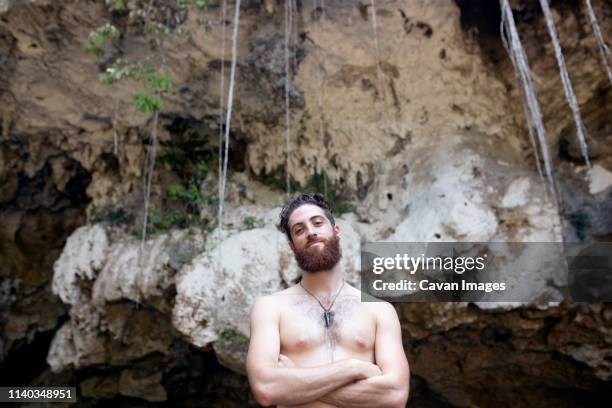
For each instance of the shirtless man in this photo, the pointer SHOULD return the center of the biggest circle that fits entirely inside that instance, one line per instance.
(315, 344)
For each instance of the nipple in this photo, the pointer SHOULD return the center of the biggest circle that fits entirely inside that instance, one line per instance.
(360, 342)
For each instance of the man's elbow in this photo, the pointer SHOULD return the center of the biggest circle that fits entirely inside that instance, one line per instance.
(264, 395)
(261, 396)
(261, 383)
(398, 398)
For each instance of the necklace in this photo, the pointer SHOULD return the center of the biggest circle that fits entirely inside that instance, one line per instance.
(328, 315)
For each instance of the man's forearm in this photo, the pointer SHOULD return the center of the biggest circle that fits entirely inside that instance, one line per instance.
(379, 391)
(301, 385)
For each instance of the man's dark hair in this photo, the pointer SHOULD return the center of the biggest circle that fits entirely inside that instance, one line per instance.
(304, 198)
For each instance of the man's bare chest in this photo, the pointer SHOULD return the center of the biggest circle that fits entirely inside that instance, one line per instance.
(303, 326)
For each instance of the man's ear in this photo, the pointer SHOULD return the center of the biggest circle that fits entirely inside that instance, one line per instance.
(337, 230)
(291, 246)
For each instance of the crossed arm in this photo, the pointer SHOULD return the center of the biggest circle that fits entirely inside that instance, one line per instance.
(275, 380)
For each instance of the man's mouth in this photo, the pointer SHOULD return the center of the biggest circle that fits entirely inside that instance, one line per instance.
(313, 243)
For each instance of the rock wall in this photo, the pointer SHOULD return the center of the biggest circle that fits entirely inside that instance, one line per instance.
(424, 136)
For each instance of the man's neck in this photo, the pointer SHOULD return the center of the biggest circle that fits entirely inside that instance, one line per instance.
(323, 284)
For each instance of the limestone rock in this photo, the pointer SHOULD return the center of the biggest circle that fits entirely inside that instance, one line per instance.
(144, 274)
(102, 330)
(135, 332)
(84, 255)
(218, 289)
(77, 347)
(600, 179)
(467, 189)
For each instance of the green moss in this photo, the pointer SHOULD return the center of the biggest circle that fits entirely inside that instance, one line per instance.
(321, 183)
(343, 207)
(252, 222)
(234, 336)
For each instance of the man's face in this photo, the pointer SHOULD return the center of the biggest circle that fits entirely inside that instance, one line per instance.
(316, 244)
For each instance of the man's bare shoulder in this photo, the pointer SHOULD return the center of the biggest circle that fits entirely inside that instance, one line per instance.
(377, 307)
(383, 311)
(276, 299)
(283, 295)
(350, 290)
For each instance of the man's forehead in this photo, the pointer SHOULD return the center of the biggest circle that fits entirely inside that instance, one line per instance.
(304, 213)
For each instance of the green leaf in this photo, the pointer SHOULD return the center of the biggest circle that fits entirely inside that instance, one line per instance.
(106, 78)
(201, 169)
(116, 5)
(147, 103)
(158, 81)
(202, 4)
(176, 191)
(98, 38)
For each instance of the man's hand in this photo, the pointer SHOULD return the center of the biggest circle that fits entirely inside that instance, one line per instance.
(284, 361)
(367, 369)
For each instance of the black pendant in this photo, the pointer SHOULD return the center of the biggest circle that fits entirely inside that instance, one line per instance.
(328, 317)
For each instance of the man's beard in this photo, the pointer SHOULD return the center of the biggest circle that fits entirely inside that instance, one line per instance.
(321, 260)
